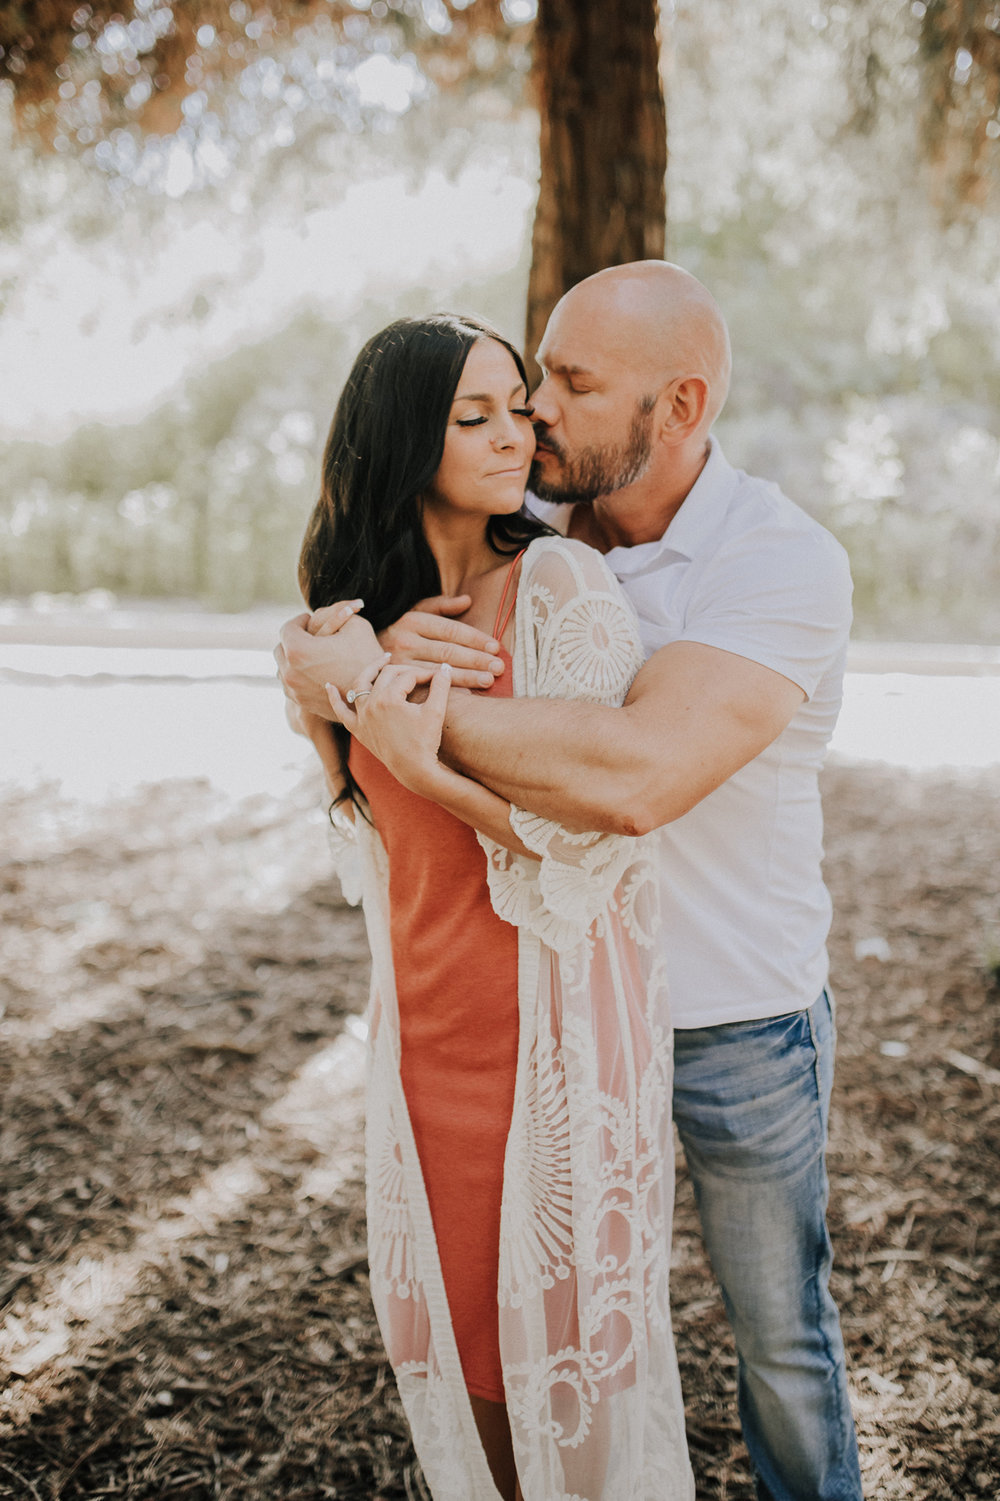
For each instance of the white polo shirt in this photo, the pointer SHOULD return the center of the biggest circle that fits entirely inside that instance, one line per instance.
(746, 913)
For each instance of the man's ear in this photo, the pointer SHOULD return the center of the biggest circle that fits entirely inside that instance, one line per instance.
(684, 403)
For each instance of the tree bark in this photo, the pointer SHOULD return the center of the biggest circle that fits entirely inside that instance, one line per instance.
(962, 99)
(601, 199)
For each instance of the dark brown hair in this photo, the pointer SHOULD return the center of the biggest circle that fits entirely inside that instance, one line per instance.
(365, 537)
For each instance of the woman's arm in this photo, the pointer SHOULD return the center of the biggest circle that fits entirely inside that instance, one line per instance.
(405, 737)
(320, 732)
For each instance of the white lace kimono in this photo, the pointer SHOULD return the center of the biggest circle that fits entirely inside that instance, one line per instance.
(585, 1339)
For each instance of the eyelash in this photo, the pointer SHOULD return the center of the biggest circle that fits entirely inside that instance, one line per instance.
(477, 421)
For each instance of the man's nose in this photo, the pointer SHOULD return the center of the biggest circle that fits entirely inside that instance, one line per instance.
(546, 411)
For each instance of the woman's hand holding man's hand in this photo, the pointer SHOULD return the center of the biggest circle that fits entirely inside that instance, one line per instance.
(404, 733)
(335, 645)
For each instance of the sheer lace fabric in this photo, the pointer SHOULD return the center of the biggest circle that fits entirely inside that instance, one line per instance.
(585, 1337)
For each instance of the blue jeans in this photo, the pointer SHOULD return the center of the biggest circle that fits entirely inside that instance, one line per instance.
(751, 1102)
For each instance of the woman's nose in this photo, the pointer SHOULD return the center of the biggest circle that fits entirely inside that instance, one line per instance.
(507, 435)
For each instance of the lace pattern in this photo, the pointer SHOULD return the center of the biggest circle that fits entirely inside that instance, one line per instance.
(577, 637)
(585, 1338)
(343, 842)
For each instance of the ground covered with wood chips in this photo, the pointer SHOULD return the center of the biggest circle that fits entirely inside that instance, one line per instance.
(184, 1310)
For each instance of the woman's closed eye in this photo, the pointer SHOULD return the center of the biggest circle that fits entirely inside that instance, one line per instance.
(477, 421)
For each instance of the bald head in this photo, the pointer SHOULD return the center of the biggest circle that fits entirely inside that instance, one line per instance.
(657, 318)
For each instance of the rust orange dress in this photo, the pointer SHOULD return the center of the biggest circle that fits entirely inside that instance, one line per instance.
(456, 982)
(568, 1285)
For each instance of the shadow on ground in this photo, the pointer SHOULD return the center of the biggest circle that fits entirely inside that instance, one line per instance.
(184, 1293)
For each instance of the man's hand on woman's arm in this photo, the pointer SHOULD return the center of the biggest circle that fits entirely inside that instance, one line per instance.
(336, 645)
(429, 636)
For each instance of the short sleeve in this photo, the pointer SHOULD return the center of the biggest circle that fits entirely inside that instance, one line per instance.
(786, 604)
(578, 635)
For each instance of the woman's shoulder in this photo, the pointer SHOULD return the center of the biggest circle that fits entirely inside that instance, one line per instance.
(567, 565)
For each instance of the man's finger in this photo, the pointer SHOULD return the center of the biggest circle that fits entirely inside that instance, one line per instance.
(419, 622)
(462, 677)
(445, 604)
(424, 638)
(293, 627)
(476, 680)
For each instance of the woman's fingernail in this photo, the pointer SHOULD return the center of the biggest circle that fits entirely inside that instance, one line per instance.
(446, 668)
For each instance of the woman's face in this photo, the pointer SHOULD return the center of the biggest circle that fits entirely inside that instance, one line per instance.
(489, 442)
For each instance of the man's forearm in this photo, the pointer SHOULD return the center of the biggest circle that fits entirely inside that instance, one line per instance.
(693, 717)
(570, 762)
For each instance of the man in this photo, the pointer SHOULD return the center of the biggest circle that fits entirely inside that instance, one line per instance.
(744, 604)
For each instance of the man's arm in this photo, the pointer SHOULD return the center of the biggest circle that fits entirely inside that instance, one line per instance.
(694, 716)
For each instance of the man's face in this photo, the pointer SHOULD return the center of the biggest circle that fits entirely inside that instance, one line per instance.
(593, 417)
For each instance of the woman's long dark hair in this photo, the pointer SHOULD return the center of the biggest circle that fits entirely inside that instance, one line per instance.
(365, 537)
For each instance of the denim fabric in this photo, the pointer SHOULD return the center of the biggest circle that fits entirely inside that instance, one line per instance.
(751, 1102)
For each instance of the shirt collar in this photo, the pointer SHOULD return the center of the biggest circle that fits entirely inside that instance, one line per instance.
(699, 515)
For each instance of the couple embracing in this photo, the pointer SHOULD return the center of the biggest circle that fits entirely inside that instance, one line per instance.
(574, 745)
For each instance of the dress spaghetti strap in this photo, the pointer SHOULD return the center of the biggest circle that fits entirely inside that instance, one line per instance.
(503, 616)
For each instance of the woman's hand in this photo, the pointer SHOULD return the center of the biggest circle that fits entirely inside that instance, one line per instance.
(329, 619)
(404, 735)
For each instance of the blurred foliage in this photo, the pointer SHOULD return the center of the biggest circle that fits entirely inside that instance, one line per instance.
(866, 332)
(105, 72)
(207, 497)
(960, 47)
(85, 71)
(866, 329)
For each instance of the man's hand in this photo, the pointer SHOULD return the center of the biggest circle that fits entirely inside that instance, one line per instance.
(307, 662)
(428, 636)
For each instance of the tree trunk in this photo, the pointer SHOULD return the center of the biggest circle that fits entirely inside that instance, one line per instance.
(602, 199)
(960, 47)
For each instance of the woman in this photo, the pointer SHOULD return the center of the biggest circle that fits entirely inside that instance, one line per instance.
(519, 1157)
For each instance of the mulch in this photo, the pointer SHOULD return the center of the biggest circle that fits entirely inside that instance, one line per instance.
(184, 1309)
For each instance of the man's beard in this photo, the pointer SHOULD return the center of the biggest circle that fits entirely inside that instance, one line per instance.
(595, 472)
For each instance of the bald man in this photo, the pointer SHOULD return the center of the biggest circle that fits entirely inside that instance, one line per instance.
(744, 605)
